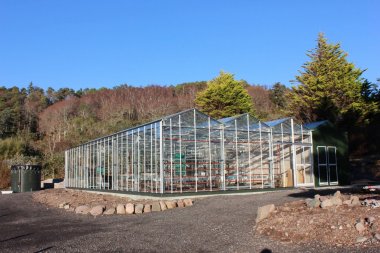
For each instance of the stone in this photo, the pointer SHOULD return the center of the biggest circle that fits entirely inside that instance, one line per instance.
(180, 203)
(359, 227)
(313, 203)
(322, 198)
(163, 205)
(347, 202)
(171, 204)
(326, 203)
(139, 208)
(120, 209)
(84, 209)
(336, 201)
(355, 201)
(370, 219)
(377, 236)
(110, 211)
(156, 207)
(97, 210)
(317, 197)
(337, 194)
(67, 206)
(263, 212)
(188, 202)
(129, 208)
(147, 208)
(361, 239)
(62, 205)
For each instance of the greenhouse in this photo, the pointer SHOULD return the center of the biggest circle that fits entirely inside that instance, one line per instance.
(192, 152)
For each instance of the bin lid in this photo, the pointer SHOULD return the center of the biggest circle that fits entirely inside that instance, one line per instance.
(26, 167)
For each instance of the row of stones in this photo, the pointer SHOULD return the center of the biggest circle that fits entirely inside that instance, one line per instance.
(336, 200)
(129, 208)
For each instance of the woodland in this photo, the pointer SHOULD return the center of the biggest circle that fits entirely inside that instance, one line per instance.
(37, 125)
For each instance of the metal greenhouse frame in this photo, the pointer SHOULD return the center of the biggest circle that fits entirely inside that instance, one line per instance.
(190, 152)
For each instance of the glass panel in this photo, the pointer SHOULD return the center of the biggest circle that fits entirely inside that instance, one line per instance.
(308, 174)
(332, 155)
(323, 176)
(321, 155)
(333, 174)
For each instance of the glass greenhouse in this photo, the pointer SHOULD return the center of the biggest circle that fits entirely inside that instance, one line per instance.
(191, 152)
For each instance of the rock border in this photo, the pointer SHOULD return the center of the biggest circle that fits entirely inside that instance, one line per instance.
(128, 208)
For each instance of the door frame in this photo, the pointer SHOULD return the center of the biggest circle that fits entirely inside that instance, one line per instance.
(303, 164)
(328, 166)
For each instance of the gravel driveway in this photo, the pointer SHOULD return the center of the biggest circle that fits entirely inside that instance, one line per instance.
(214, 224)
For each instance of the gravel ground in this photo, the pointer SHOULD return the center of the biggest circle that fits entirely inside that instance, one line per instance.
(215, 224)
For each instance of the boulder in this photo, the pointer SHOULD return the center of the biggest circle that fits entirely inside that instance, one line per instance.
(377, 236)
(361, 239)
(84, 209)
(120, 209)
(317, 197)
(263, 212)
(370, 219)
(156, 207)
(129, 208)
(337, 194)
(188, 202)
(347, 202)
(139, 208)
(313, 203)
(163, 205)
(110, 211)
(147, 208)
(337, 201)
(355, 201)
(180, 203)
(97, 210)
(171, 204)
(62, 205)
(359, 227)
(326, 203)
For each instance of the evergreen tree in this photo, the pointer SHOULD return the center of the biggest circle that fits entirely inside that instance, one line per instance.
(329, 86)
(278, 95)
(224, 97)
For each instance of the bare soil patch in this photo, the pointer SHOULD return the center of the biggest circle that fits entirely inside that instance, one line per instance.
(296, 223)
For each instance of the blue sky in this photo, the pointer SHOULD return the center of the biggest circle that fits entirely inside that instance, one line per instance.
(92, 44)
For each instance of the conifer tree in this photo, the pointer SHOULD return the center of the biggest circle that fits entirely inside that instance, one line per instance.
(329, 86)
(224, 97)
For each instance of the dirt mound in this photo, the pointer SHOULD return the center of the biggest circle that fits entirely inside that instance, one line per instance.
(296, 222)
(57, 197)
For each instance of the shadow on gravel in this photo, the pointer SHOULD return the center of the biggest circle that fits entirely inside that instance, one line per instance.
(44, 249)
(16, 237)
(309, 193)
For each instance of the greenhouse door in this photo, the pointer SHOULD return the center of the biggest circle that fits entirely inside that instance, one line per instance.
(327, 165)
(304, 166)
